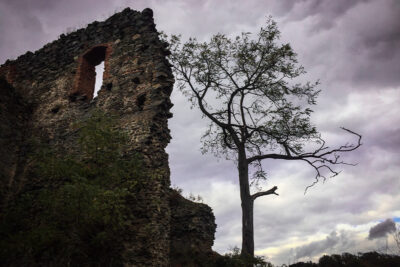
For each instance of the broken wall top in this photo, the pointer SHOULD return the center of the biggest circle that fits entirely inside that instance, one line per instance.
(62, 52)
(58, 80)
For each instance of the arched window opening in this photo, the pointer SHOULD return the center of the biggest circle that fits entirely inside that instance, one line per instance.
(99, 78)
(89, 77)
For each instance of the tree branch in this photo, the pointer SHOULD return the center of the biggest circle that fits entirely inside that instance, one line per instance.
(271, 191)
(316, 155)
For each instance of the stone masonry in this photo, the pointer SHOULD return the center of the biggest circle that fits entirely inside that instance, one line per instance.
(42, 94)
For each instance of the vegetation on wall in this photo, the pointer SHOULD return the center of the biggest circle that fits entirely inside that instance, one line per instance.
(77, 213)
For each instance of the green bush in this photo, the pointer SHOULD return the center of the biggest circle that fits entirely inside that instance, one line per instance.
(235, 259)
(77, 212)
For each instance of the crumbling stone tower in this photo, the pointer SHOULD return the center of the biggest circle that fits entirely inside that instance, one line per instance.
(43, 94)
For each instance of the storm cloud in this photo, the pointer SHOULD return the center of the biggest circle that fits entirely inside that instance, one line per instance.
(382, 229)
(318, 247)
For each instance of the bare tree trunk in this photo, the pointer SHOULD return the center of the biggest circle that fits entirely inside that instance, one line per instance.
(247, 206)
(248, 227)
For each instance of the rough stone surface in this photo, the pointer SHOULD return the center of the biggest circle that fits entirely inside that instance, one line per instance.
(192, 231)
(42, 94)
(14, 116)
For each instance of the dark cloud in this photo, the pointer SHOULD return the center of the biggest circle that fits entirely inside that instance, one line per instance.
(332, 243)
(326, 12)
(376, 43)
(382, 229)
(351, 42)
(317, 247)
(27, 5)
(20, 31)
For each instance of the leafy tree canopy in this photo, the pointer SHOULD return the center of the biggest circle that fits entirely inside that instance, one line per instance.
(245, 87)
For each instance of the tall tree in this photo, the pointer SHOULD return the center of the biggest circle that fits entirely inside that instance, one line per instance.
(244, 87)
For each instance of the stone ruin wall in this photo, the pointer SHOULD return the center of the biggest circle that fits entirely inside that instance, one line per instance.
(44, 93)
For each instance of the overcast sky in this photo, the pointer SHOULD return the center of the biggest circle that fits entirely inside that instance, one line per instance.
(351, 46)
